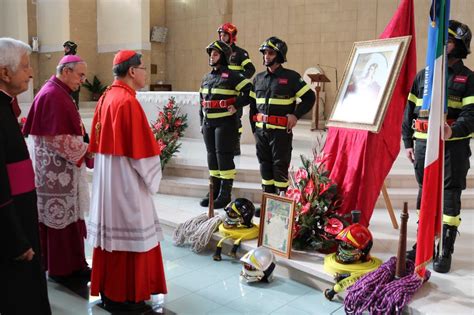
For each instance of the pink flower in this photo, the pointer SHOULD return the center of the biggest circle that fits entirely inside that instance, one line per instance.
(170, 115)
(309, 189)
(167, 126)
(294, 193)
(301, 174)
(161, 144)
(169, 105)
(306, 208)
(323, 188)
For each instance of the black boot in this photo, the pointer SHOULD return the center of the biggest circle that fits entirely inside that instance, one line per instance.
(216, 183)
(237, 146)
(225, 194)
(411, 254)
(442, 263)
(266, 189)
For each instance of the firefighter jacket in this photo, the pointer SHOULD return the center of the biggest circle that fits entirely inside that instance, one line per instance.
(240, 61)
(275, 94)
(222, 87)
(460, 90)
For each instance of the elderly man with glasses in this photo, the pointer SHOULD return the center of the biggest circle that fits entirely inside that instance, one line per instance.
(60, 154)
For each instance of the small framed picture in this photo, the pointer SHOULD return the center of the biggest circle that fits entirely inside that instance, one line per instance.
(367, 85)
(276, 224)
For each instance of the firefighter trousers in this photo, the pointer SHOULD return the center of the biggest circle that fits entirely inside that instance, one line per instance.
(220, 136)
(274, 148)
(456, 165)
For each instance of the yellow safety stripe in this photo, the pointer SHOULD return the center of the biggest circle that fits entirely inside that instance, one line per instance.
(422, 135)
(242, 84)
(454, 104)
(228, 174)
(450, 31)
(268, 182)
(303, 90)
(236, 68)
(218, 115)
(452, 221)
(246, 61)
(468, 100)
(234, 207)
(269, 43)
(214, 173)
(276, 101)
(282, 184)
(217, 45)
(253, 95)
(204, 90)
(268, 126)
(224, 92)
(241, 129)
(412, 98)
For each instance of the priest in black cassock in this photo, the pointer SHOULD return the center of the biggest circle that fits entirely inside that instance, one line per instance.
(22, 279)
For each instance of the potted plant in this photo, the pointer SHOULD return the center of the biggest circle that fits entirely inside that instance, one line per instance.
(96, 88)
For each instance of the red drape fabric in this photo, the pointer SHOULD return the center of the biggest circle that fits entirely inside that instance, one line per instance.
(358, 160)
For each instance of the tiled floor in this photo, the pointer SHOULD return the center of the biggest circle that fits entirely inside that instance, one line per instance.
(199, 285)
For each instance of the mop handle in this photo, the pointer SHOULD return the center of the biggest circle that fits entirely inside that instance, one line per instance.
(402, 244)
(210, 212)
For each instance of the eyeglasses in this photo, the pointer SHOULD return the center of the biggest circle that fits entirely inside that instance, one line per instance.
(143, 68)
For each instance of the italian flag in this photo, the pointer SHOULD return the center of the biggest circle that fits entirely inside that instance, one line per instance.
(434, 101)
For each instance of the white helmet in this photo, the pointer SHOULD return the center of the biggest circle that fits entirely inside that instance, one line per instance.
(259, 264)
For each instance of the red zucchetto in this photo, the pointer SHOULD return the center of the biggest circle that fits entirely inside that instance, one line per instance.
(122, 56)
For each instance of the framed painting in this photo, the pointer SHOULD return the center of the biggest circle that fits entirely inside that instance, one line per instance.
(368, 82)
(276, 224)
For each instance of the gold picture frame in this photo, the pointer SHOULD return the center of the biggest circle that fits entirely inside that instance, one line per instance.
(368, 82)
(276, 224)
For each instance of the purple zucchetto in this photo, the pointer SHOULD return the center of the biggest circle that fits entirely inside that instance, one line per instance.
(70, 58)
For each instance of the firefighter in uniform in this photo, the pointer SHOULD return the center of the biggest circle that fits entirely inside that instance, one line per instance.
(222, 93)
(273, 114)
(458, 128)
(239, 61)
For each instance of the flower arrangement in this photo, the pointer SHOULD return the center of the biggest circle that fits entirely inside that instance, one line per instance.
(317, 200)
(168, 128)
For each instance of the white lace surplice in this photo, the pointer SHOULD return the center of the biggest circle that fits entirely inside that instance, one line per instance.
(122, 215)
(61, 186)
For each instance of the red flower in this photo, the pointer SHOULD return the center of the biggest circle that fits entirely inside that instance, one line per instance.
(309, 189)
(334, 226)
(296, 230)
(169, 105)
(169, 115)
(178, 123)
(306, 208)
(323, 188)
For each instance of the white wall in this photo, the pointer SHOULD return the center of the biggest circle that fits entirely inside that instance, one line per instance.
(123, 24)
(53, 24)
(13, 19)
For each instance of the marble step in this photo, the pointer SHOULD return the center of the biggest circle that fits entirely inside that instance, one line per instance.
(399, 177)
(198, 187)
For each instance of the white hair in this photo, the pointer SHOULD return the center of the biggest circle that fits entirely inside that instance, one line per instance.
(11, 51)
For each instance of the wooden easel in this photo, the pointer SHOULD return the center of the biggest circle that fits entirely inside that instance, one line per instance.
(388, 203)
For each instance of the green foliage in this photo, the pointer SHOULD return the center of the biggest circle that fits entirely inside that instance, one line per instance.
(168, 128)
(96, 87)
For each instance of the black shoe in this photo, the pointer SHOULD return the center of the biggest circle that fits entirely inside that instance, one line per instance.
(225, 194)
(442, 264)
(84, 273)
(216, 184)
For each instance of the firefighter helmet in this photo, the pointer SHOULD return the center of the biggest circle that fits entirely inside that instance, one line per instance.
(230, 29)
(259, 264)
(277, 45)
(223, 48)
(355, 242)
(240, 211)
(71, 46)
(463, 35)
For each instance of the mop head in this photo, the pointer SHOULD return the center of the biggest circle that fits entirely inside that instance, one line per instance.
(379, 293)
(196, 232)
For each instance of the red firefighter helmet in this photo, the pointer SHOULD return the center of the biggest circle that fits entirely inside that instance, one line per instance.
(355, 242)
(230, 29)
